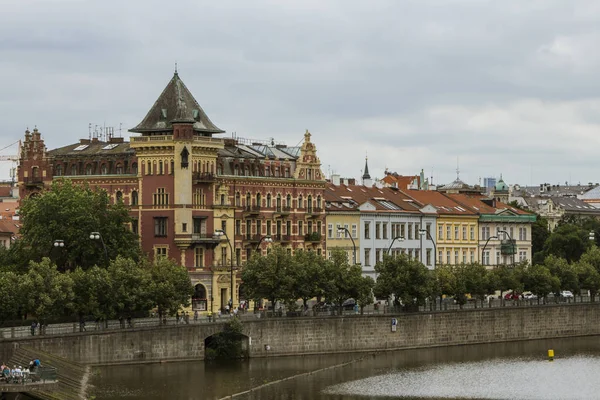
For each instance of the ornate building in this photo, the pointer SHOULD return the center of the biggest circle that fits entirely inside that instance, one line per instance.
(184, 184)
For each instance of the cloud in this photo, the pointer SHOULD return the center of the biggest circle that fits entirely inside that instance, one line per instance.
(506, 87)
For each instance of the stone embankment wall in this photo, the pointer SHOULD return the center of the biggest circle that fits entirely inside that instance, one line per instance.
(297, 336)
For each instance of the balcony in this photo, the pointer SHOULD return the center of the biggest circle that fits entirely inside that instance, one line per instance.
(283, 210)
(282, 238)
(33, 181)
(314, 212)
(205, 238)
(251, 210)
(508, 247)
(203, 177)
(248, 237)
(312, 237)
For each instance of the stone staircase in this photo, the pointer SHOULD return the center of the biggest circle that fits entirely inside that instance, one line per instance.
(72, 377)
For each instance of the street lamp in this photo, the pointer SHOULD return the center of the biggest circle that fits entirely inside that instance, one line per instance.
(399, 238)
(428, 235)
(483, 251)
(98, 236)
(266, 239)
(513, 250)
(342, 229)
(222, 233)
(59, 243)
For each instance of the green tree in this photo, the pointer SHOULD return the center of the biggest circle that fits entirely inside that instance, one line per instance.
(539, 281)
(170, 286)
(444, 281)
(504, 278)
(565, 272)
(130, 286)
(408, 280)
(588, 277)
(49, 293)
(365, 293)
(70, 212)
(342, 280)
(93, 293)
(268, 277)
(568, 241)
(13, 294)
(227, 345)
(477, 281)
(539, 235)
(592, 257)
(307, 276)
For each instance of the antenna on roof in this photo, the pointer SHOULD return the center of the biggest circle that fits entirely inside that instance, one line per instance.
(175, 67)
(90, 131)
(457, 169)
(120, 128)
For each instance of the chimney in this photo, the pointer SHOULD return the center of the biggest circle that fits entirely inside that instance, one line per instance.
(335, 179)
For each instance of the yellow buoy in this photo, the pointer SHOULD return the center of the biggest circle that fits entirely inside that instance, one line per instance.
(550, 355)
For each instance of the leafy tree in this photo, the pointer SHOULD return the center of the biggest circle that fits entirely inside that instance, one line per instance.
(227, 345)
(268, 277)
(406, 279)
(49, 293)
(539, 235)
(13, 295)
(592, 257)
(477, 282)
(365, 293)
(70, 212)
(564, 271)
(130, 286)
(92, 291)
(539, 281)
(444, 281)
(307, 274)
(170, 286)
(504, 278)
(342, 280)
(568, 241)
(588, 277)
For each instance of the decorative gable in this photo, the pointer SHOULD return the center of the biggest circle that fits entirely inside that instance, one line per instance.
(428, 209)
(308, 165)
(367, 206)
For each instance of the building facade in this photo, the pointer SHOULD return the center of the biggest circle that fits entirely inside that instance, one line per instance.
(184, 183)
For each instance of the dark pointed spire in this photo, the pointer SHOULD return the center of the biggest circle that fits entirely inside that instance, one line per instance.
(366, 174)
(176, 104)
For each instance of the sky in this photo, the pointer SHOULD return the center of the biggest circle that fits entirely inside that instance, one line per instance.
(507, 87)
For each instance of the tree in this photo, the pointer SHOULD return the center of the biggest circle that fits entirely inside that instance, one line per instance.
(70, 212)
(13, 295)
(592, 257)
(307, 275)
(588, 277)
(478, 284)
(539, 281)
(539, 235)
(444, 281)
(130, 286)
(568, 241)
(408, 280)
(342, 280)
(565, 272)
(93, 293)
(505, 278)
(170, 286)
(365, 293)
(268, 277)
(49, 293)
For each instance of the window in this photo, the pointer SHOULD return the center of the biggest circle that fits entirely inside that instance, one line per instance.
(183, 227)
(464, 256)
(300, 228)
(238, 227)
(160, 226)
(472, 256)
(288, 227)
(409, 229)
(485, 233)
(199, 225)
(402, 230)
(300, 205)
(88, 169)
(258, 227)
(330, 231)
(456, 232)
(511, 231)
(367, 230)
(135, 226)
(377, 255)
(288, 201)
(222, 199)
(319, 202)
(160, 198)
(448, 232)
(269, 200)
(367, 257)
(309, 227)
(160, 251)
(486, 257)
(472, 228)
(428, 230)
(498, 260)
(58, 170)
(119, 196)
(148, 168)
(448, 260)
(258, 200)
(464, 232)
(455, 256)
(224, 226)
(410, 254)
(134, 198)
(428, 257)
(224, 255)
(238, 256)
(134, 169)
(199, 257)
(522, 255)
(269, 228)
(238, 200)
(384, 230)
(417, 228)
(319, 227)
(440, 259)
(346, 234)
(522, 233)
(377, 231)
(73, 169)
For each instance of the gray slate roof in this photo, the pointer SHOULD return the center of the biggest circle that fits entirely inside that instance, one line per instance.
(176, 104)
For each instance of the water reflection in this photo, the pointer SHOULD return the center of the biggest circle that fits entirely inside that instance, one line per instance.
(516, 370)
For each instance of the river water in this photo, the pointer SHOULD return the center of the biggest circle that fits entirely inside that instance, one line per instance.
(516, 371)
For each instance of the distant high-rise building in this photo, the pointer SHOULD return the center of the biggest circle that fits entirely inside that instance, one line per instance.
(489, 183)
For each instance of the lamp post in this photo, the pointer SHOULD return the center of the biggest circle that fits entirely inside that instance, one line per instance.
(428, 235)
(513, 250)
(98, 236)
(222, 233)
(399, 238)
(266, 239)
(342, 229)
(483, 250)
(59, 243)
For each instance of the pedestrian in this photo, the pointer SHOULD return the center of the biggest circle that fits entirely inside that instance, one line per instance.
(33, 326)
(82, 324)
(177, 317)
(196, 316)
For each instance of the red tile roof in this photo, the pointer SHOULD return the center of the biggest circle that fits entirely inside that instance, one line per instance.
(444, 204)
(400, 181)
(9, 226)
(383, 199)
(475, 203)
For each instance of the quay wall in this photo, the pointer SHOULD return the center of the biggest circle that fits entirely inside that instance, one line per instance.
(301, 336)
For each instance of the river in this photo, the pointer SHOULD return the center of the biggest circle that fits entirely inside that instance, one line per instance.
(516, 371)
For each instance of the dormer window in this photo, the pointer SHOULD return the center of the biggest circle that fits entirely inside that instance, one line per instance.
(184, 157)
(196, 115)
(163, 113)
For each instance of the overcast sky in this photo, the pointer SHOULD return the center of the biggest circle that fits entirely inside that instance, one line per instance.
(506, 87)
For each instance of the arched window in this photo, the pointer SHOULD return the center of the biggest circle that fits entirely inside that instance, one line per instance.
(160, 167)
(119, 168)
(134, 168)
(288, 200)
(237, 199)
(236, 170)
(134, 198)
(222, 199)
(258, 199)
(119, 196)
(220, 169)
(88, 169)
(247, 170)
(248, 199)
(300, 205)
(35, 173)
(59, 170)
(277, 172)
(268, 200)
(309, 203)
(318, 201)
(149, 169)
(104, 169)
(74, 169)
(278, 202)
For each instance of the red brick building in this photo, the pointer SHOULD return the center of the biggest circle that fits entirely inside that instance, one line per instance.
(183, 182)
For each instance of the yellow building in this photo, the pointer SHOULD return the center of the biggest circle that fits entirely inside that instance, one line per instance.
(457, 228)
(342, 223)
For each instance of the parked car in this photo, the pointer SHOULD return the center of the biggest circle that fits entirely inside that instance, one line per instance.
(349, 304)
(566, 294)
(529, 296)
(511, 296)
